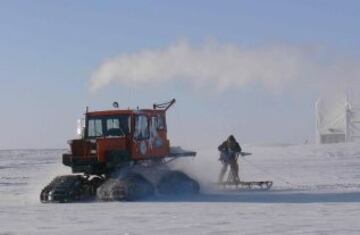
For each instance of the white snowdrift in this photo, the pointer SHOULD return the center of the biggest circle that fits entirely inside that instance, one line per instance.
(316, 191)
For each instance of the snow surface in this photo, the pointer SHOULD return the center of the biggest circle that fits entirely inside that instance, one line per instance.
(316, 191)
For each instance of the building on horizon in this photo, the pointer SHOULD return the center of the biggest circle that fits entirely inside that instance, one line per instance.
(337, 119)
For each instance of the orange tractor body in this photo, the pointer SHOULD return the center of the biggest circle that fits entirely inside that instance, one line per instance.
(121, 156)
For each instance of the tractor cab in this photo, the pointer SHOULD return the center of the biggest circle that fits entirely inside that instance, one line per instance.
(116, 137)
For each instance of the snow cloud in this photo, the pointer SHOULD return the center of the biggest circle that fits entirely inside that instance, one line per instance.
(223, 66)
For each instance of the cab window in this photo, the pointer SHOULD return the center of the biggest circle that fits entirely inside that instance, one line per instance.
(113, 127)
(95, 128)
(160, 122)
(141, 127)
(109, 126)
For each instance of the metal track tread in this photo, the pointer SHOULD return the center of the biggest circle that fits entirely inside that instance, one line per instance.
(177, 183)
(67, 188)
(129, 188)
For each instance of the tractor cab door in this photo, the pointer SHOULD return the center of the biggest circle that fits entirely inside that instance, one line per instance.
(150, 139)
(159, 144)
(141, 137)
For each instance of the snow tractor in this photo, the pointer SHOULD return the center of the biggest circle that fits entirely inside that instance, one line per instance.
(121, 155)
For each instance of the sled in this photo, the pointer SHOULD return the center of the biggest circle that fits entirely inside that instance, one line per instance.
(234, 182)
(247, 185)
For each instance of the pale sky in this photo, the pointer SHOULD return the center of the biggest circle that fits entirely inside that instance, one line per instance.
(51, 53)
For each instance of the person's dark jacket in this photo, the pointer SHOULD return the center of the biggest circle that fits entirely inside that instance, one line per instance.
(234, 147)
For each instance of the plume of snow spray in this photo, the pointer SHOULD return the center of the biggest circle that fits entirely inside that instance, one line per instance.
(223, 66)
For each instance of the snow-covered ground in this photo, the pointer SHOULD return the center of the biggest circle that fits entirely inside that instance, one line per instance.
(316, 191)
